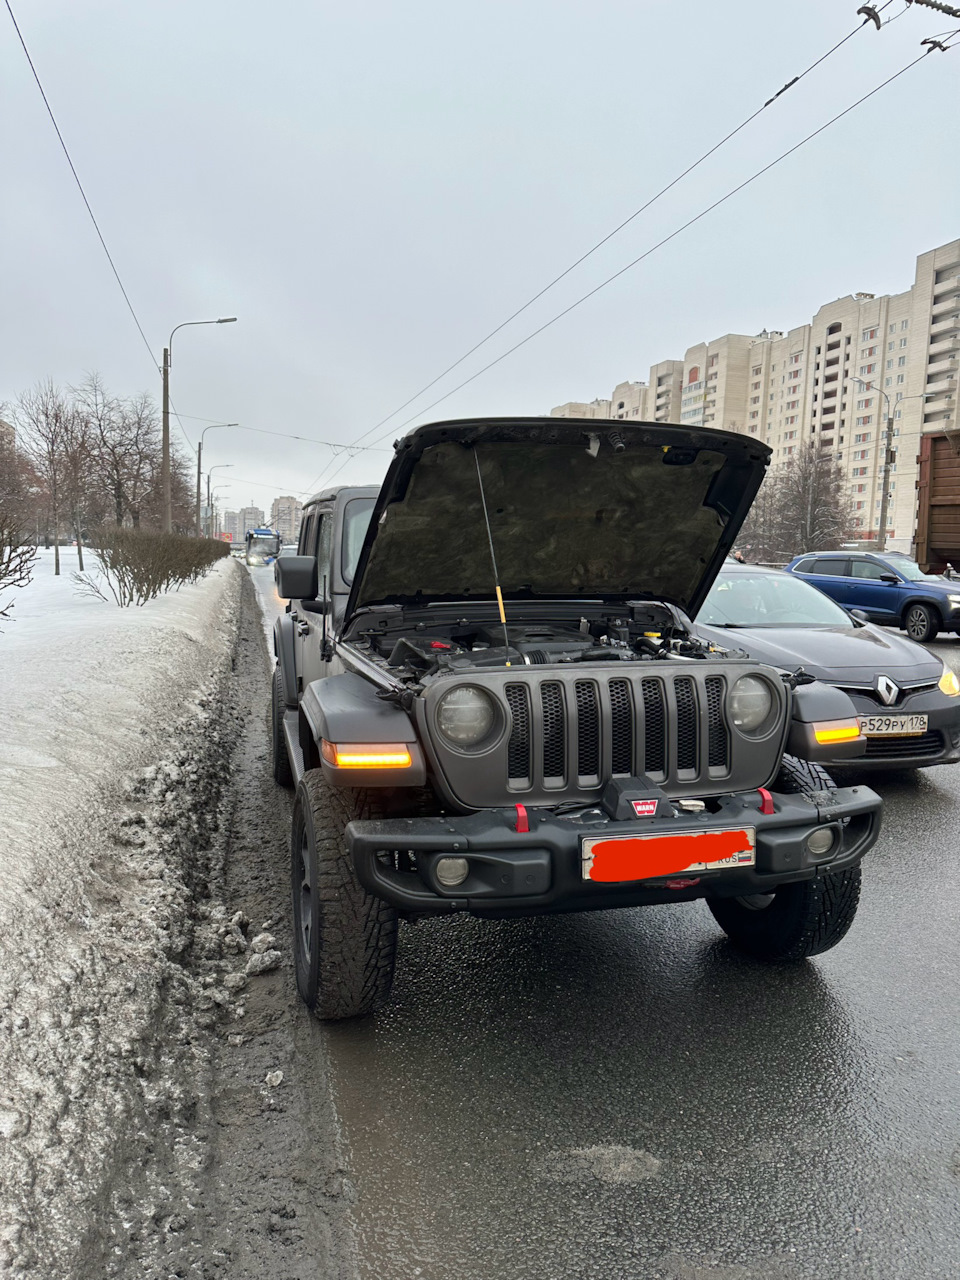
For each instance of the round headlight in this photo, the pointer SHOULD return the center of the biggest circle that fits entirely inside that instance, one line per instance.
(465, 715)
(750, 703)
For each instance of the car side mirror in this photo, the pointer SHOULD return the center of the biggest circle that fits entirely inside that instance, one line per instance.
(297, 577)
(889, 577)
(859, 615)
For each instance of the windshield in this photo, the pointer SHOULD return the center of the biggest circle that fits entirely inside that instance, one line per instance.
(356, 518)
(268, 546)
(911, 570)
(769, 600)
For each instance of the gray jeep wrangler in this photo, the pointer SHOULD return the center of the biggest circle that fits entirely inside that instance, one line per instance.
(489, 698)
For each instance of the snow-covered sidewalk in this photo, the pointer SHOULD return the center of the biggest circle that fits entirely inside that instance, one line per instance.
(114, 744)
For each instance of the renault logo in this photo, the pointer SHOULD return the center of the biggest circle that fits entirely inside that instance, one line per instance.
(888, 691)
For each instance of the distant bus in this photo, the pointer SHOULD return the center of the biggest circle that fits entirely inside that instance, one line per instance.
(262, 545)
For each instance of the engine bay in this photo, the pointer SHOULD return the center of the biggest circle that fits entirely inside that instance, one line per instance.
(421, 648)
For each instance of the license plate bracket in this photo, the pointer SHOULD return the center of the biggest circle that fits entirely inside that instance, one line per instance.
(648, 856)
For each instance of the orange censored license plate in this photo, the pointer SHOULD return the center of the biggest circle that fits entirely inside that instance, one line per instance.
(666, 854)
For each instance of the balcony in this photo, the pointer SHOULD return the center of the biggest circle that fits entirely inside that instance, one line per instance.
(945, 327)
(943, 347)
(942, 404)
(951, 282)
(944, 366)
(944, 305)
(941, 386)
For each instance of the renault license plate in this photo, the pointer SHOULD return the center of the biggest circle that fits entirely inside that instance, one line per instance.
(893, 726)
(645, 857)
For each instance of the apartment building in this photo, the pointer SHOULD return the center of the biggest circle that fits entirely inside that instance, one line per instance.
(250, 518)
(231, 525)
(285, 515)
(833, 381)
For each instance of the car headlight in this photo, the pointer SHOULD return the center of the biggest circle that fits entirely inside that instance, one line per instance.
(465, 715)
(750, 703)
(955, 601)
(949, 684)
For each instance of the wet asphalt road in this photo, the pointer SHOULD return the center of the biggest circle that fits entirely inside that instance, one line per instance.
(623, 1095)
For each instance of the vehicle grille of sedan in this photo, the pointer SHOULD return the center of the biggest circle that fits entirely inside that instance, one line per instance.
(921, 744)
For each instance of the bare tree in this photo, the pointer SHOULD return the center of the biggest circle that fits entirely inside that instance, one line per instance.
(16, 547)
(43, 416)
(802, 506)
(126, 448)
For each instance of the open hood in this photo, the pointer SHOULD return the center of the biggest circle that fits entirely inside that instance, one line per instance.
(576, 507)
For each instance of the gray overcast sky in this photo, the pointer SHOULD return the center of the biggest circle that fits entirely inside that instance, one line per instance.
(371, 187)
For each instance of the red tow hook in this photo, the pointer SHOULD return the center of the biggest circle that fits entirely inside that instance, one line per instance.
(766, 800)
(523, 824)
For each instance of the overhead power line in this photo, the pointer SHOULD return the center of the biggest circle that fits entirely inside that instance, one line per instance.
(666, 240)
(626, 222)
(83, 194)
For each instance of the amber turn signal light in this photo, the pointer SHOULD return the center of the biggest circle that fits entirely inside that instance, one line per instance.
(366, 755)
(836, 731)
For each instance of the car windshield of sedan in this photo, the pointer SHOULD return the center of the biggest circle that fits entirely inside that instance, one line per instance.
(769, 600)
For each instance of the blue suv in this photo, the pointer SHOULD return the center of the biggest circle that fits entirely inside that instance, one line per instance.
(888, 587)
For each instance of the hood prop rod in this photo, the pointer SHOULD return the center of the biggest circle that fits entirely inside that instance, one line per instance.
(493, 560)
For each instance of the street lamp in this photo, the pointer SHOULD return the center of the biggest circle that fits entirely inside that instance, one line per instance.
(165, 439)
(218, 467)
(214, 528)
(887, 449)
(213, 427)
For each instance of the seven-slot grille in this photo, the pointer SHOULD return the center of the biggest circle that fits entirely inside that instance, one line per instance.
(570, 733)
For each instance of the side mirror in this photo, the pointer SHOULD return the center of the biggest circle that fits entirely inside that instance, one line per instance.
(859, 615)
(297, 577)
(889, 577)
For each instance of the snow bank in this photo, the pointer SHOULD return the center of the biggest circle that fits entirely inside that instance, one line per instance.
(113, 747)
(83, 688)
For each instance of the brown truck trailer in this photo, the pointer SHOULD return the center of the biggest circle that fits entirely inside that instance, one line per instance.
(938, 492)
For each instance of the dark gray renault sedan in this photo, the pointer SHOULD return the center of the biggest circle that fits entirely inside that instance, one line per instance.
(907, 700)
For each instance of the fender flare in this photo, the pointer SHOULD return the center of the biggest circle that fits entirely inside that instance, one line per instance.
(286, 655)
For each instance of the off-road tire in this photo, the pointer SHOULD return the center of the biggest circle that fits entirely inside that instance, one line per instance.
(797, 920)
(345, 939)
(921, 623)
(282, 771)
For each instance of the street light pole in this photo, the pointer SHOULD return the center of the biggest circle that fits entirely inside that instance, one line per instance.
(218, 467)
(213, 427)
(165, 414)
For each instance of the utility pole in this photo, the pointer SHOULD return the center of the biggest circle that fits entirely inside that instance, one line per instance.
(165, 446)
(885, 482)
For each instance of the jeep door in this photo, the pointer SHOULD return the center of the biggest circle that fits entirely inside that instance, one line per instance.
(314, 617)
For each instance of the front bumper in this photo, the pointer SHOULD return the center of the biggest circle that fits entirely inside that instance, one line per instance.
(538, 871)
(939, 745)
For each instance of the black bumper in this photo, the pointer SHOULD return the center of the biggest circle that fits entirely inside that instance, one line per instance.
(540, 871)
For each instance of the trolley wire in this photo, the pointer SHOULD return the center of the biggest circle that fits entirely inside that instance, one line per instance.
(626, 222)
(630, 265)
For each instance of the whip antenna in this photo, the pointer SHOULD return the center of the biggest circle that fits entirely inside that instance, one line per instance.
(493, 558)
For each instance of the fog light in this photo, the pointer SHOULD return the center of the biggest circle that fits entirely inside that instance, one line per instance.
(452, 871)
(821, 841)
